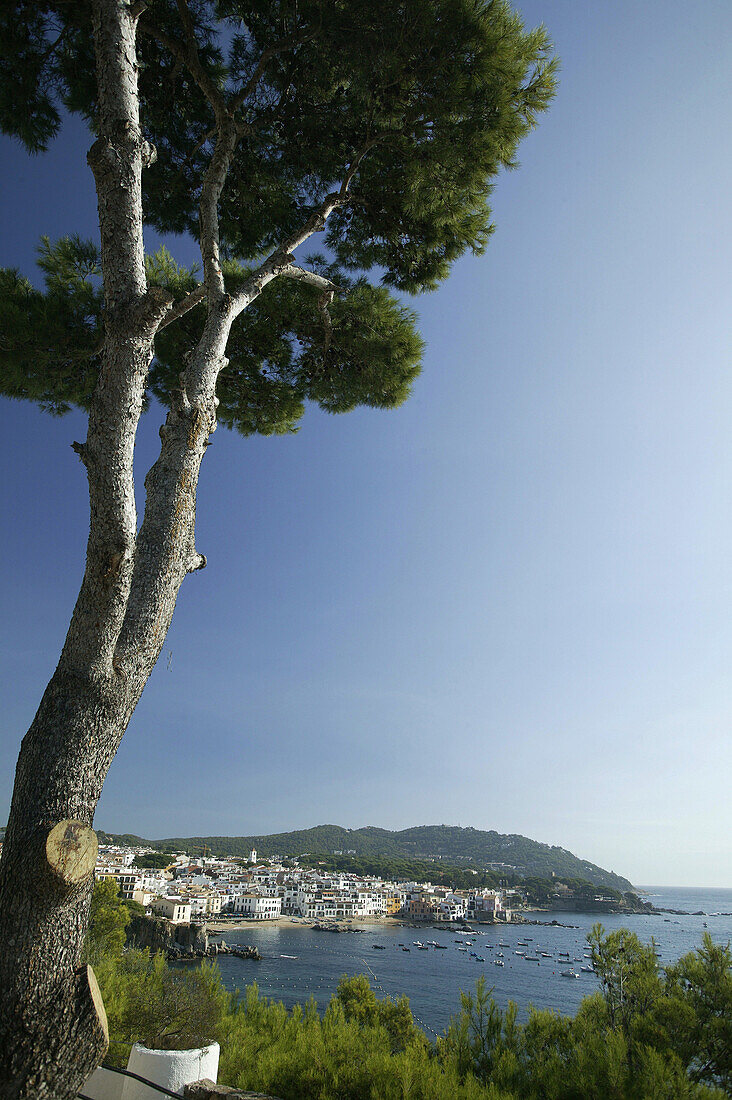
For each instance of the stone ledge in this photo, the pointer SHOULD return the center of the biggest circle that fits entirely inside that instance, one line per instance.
(207, 1090)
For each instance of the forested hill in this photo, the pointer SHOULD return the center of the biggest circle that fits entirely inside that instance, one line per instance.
(470, 847)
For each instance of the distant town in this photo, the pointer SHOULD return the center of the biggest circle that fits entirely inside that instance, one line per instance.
(200, 887)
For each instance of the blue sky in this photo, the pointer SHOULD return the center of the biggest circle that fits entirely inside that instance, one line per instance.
(506, 604)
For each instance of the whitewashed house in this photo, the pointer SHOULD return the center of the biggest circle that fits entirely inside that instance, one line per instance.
(257, 907)
(173, 909)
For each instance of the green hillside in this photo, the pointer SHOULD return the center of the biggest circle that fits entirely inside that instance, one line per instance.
(470, 847)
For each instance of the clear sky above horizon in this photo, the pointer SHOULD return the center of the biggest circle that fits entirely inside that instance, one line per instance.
(506, 604)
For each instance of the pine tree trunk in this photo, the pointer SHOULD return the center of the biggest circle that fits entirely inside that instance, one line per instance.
(52, 1023)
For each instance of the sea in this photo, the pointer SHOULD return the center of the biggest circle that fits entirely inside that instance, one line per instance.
(299, 962)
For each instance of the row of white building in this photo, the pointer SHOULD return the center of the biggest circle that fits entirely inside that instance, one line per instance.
(200, 889)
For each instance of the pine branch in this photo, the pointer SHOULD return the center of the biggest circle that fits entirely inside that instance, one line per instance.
(196, 69)
(189, 302)
(303, 275)
(287, 43)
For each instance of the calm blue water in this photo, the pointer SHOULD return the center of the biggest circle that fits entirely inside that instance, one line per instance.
(433, 979)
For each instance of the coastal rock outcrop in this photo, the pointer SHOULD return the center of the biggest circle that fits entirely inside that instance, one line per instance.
(245, 951)
(159, 934)
(181, 942)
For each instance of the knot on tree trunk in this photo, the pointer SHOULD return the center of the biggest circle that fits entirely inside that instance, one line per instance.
(149, 154)
(101, 158)
(71, 851)
(198, 561)
(139, 318)
(80, 449)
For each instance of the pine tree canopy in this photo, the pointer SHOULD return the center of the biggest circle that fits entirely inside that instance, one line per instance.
(407, 109)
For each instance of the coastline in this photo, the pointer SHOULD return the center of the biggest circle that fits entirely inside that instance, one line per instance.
(528, 916)
(218, 926)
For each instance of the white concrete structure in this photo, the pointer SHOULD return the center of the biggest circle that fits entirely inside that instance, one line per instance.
(487, 905)
(452, 908)
(143, 897)
(173, 1069)
(174, 909)
(256, 907)
(203, 903)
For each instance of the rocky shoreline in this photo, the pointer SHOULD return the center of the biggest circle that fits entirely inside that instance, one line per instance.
(176, 953)
(182, 942)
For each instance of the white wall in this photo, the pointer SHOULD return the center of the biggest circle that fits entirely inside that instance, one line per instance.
(173, 1069)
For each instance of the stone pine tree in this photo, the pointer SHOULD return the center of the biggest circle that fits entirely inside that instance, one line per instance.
(374, 129)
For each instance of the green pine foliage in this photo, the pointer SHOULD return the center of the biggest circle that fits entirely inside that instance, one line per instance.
(28, 74)
(157, 860)
(50, 340)
(276, 353)
(700, 988)
(644, 1034)
(347, 1053)
(109, 916)
(429, 99)
(161, 1007)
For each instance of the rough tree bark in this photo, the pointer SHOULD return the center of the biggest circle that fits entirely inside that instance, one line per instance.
(52, 1031)
(52, 1024)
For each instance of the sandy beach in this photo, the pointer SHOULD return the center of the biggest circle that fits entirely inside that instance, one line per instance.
(302, 922)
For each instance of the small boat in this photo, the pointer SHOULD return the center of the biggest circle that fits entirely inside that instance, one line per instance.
(500, 954)
(519, 953)
(531, 958)
(479, 958)
(588, 969)
(498, 962)
(422, 947)
(378, 947)
(569, 974)
(502, 944)
(406, 949)
(463, 949)
(288, 956)
(440, 946)
(546, 955)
